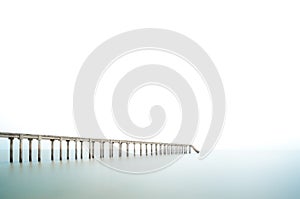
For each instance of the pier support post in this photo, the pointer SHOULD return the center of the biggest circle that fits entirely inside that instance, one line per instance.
(21, 148)
(140, 149)
(39, 149)
(101, 149)
(81, 149)
(134, 149)
(30, 149)
(52, 149)
(90, 149)
(155, 149)
(127, 149)
(167, 149)
(60, 149)
(111, 149)
(180, 149)
(146, 145)
(93, 149)
(120, 149)
(174, 148)
(11, 149)
(160, 149)
(76, 142)
(151, 149)
(68, 149)
(190, 149)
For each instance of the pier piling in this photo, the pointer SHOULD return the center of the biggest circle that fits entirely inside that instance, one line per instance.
(30, 149)
(127, 149)
(68, 149)
(52, 149)
(39, 149)
(60, 149)
(160, 148)
(20, 148)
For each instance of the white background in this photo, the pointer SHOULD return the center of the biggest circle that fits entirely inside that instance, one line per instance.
(255, 45)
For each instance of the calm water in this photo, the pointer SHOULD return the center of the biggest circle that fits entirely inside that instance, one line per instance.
(224, 174)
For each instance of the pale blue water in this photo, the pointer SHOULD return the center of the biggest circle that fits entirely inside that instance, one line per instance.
(224, 174)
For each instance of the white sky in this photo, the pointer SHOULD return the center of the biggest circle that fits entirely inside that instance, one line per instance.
(254, 45)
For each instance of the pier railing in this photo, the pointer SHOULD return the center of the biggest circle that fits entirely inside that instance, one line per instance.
(156, 148)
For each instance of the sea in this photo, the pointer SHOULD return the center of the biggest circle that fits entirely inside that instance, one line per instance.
(223, 174)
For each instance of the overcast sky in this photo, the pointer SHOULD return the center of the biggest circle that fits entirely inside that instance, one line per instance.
(255, 47)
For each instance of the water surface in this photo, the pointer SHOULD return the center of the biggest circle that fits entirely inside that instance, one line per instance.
(224, 174)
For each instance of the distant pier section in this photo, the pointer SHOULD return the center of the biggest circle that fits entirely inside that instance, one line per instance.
(150, 148)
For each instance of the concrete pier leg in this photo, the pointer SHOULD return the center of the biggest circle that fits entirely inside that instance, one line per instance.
(168, 149)
(30, 149)
(127, 149)
(165, 149)
(52, 150)
(151, 150)
(180, 148)
(60, 149)
(190, 149)
(90, 149)
(20, 149)
(134, 149)
(111, 149)
(76, 150)
(155, 149)
(120, 149)
(81, 149)
(101, 149)
(68, 149)
(140, 149)
(39, 149)
(160, 149)
(93, 149)
(174, 149)
(11, 150)
(146, 149)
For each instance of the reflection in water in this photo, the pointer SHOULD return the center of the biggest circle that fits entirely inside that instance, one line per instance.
(224, 174)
